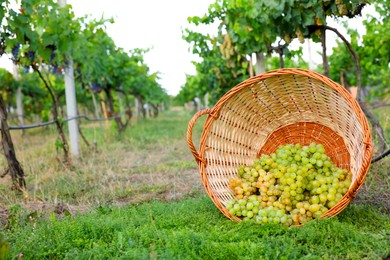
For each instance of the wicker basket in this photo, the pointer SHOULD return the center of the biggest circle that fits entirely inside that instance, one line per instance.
(279, 107)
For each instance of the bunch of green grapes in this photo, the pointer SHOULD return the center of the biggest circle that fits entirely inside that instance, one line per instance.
(341, 7)
(291, 186)
(287, 38)
(300, 35)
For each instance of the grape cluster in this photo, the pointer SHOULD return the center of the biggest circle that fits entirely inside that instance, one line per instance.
(341, 7)
(52, 59)
(226, 48)
(15, 52)
(300, 35)
(31, 55)
(291, 186)
(287, 38)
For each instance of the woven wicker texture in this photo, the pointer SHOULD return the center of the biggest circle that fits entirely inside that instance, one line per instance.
(275, 108)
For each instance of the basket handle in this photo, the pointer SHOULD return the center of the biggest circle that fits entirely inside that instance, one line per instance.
(189, 133)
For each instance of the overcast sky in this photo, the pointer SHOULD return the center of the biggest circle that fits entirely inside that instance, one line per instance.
(151, 24)
(158, 25)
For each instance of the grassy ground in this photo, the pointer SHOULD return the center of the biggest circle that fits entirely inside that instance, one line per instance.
(141, 197)
(149, 161)
(195, 229)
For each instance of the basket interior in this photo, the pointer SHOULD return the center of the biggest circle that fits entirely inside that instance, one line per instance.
(273, 111)
(305, 133)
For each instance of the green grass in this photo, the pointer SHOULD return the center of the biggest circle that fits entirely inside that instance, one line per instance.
(195, 229)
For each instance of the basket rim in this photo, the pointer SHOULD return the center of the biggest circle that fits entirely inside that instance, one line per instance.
(213, 114)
